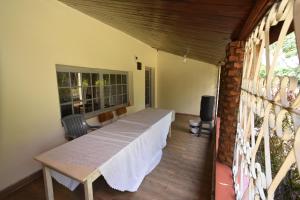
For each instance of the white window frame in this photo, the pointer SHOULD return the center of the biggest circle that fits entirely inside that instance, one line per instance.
(101, 72)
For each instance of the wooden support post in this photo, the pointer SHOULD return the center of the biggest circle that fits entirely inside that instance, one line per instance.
(48, 183)
(88, 189)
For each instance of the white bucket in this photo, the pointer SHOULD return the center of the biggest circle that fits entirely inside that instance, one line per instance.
(194, 126)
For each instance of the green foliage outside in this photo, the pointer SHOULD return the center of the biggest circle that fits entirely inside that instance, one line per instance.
(290, 57)
(289, 188)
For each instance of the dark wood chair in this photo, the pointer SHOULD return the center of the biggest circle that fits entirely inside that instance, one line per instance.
(106, 118)
(121, 111)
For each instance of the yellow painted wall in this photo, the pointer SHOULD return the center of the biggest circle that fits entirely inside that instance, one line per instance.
(34, 36)
(181, 85)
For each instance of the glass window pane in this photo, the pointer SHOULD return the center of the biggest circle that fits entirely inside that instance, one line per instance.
(124, 79)
(75, 93)
(86, 79)
(75, 79)
(106, 91)
(63, 79)
(113, 90)
(64, 95)
(78, 107)
(124, 89)
(96, 103)
(124, 99)
(113, 100)
(95, 79)
(119, 89)
(112, 79)
(106, 79)
(66, 110)
(96, 92)
(88, 106)
(119, 99)
(106, 102)
(87, 92)
(119, 79)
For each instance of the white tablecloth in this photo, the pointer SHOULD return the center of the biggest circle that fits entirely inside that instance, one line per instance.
(132, 147)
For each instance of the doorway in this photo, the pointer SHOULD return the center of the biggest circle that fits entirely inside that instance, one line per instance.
(149, 80)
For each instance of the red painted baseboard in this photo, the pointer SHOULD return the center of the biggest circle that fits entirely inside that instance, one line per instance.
(224, 187)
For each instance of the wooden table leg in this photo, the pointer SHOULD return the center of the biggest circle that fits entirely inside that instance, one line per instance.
(88, 189)
(48, 183)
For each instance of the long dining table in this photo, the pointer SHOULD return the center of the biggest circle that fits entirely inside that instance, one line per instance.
(123, 152)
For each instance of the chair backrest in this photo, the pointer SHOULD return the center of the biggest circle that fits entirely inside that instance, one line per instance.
(121, 111)
(105, 118)
(74, 125)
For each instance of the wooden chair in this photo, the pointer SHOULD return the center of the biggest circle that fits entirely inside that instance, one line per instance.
(120, 112)
(106, 118)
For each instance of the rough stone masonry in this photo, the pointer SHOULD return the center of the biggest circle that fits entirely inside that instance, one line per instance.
(229, 96)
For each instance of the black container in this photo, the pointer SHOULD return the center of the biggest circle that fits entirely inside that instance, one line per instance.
(207, 108)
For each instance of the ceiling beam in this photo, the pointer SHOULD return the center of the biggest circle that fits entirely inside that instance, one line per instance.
(257, 12)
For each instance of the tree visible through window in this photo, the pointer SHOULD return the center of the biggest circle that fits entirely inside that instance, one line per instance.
(115, 89)
(288, 64)
(83, 92)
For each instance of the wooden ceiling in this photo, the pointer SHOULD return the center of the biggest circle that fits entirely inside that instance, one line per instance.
(199, 28)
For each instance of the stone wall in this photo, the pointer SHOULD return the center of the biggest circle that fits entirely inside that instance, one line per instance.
(229, 95)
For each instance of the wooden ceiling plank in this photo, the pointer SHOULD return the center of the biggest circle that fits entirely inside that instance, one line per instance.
(226, 25)
(157, 26)
(203, 26)
(204, 9)
(199, 2)
(158, 36)
(195, 33)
